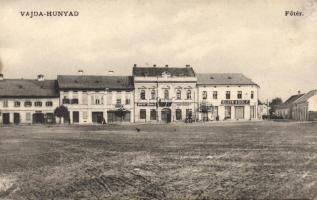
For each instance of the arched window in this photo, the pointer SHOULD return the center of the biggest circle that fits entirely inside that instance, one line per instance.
(178, 94)
(153, 94)
(166, 94)
(189, 94)
(142, 94)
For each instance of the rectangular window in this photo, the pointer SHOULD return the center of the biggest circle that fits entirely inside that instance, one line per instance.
(153, 114)
(74, 101)
(178, 114)
(118, 102)
(252, 94)
(65, 101)
(215, 111)
(239, 95)
(204, 94)
(127, 101)
(27, 104)
(49, 104)
(227, 94)
(17, 104)
(189, 113)
(252, 112)
(142, 114)
(38, 104)
(215, 95)
(28, 116)
(142, 95)
(5, 103)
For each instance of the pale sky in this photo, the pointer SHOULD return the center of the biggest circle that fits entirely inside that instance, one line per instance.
(251, 37)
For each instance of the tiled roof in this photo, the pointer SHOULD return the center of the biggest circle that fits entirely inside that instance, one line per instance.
(158, 71)
(306, 96)
(95, 82)
(28, 88)
(223, 79)
(290, 101)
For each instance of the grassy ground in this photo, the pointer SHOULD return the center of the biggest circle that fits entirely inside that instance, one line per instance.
(219, 160)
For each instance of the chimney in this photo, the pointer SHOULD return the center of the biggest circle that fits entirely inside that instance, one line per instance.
(135, 65)
(187, 66)
(1, 77)
(81, 72)
(111, 72)
(40, 77)
(154, 65)
(166, 65)
(298, 91)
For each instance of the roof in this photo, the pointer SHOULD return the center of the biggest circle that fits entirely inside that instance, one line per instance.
(306, 96)
(223, 79)
(290, 101)
(95, 82)
(158, 71)
(28, 88)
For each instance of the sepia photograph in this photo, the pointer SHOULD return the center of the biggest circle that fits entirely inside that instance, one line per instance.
(158, 99)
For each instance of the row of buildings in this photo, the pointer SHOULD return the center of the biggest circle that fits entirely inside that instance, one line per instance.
(151, 94)
(301, 107)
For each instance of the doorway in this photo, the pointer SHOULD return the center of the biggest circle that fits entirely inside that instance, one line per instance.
(75, 117)
(239, 112)
(166, 115)
(97, 117)
(38, 118)
(16, 118)
(6, 118)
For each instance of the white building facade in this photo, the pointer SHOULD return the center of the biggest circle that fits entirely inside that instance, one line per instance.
(97, 99)
(164, 94)
(226, 97)
(28, 101)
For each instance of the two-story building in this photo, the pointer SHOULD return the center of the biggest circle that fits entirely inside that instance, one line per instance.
(226, 96)
(28, 100)
(305, 107)
(97, 99)
(164, 94)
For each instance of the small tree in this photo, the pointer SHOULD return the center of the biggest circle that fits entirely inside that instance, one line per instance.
(61, 112)
(274, 104)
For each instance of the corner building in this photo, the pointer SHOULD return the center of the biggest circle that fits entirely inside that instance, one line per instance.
(226, 96)
(164, 94)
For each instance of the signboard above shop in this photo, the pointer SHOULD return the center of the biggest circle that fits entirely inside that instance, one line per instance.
(235, 102)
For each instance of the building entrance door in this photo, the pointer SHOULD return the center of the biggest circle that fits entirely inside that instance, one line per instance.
(75, 117)
(16, 118)
(166, 115)
(97, 117)
(38, 118)
(6, 118)
(239, 112)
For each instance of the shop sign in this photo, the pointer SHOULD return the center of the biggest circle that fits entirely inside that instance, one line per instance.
(146, 104)
(235, 102)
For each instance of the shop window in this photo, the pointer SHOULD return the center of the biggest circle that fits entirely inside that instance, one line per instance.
(189, 94)
(215, 95)
(178, 94)
(153, 114)
(27, 104)
(142, 94)
(49, 104)
(204, 94)
(227, 94)
(239, 95)
(38, 104)
(153, 95)
(17, 104)
(142, 114)
(178, 114)
(166, 94)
